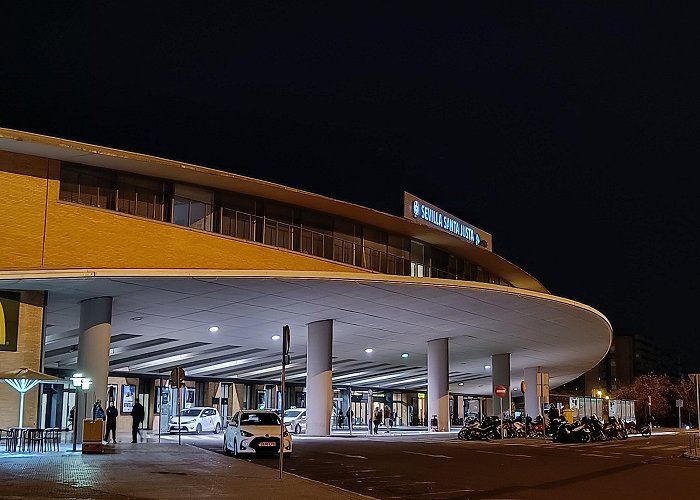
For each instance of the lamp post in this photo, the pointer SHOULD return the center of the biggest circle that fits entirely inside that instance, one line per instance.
(84, 383)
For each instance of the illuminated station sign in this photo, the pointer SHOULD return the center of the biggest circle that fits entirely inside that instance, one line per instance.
(429, 215)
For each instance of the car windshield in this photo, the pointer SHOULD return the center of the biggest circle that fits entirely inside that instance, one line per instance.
(260, 418)
(292, 413)
(190, 412)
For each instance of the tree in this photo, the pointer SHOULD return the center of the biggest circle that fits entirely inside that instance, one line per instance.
(659, 387)
(685, 390)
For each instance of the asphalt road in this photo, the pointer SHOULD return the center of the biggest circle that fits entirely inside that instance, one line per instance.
(437, 466)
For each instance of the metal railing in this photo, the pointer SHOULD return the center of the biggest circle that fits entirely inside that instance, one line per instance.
(260, 229)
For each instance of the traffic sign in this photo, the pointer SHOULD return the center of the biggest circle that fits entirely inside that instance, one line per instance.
(500, 390)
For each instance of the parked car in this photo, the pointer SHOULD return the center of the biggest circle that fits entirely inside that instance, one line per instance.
(295, 420)
(196, 419)
(255, 432)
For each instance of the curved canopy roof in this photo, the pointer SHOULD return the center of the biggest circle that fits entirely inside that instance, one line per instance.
(161, 319)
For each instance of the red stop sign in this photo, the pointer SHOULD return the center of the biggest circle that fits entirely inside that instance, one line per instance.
(500, 390)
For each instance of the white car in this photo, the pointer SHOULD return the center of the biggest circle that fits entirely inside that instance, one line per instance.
(295, 420)
(255, 432)
(196, 419)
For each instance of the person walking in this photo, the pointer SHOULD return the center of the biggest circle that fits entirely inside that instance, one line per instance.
(387, 416)
(111, 422)
(376, 418)
(137, 415)
(349, 414)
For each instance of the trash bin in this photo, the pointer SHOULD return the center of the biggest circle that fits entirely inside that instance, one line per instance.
(568, 415)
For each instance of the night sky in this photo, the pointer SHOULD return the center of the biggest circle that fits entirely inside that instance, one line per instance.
(568, 130)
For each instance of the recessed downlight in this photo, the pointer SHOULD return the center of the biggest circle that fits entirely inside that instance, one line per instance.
(275, 337)
(488, 367)
(136, 318)
(213, 329)
(369, 350)
(460, 384)
(404, 355)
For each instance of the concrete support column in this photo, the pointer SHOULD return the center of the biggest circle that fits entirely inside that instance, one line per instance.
(438, 383)
(500, 375)
(537, 390)
(93, 353)
(460, 407)
(319, 378)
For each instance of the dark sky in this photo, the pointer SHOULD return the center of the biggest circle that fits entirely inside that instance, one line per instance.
(568, 130)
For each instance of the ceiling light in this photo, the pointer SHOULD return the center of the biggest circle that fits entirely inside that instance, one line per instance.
(275, 337)
(136, 318)
(404, 355)
(369, 350)
(213, 329)
(461, 384)
(488, 367)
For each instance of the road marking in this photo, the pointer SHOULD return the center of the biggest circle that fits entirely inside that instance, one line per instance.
(652, 447)
(508, 454)
(636, 455)
(427, 454)
(348, 456)
(441, 493)
(597, 455)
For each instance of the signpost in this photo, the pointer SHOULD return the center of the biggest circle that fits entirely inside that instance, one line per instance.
(177, 379)
(679, 405)
(286, 340)
(500, 391)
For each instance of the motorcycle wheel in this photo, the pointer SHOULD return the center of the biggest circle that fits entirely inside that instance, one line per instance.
(586, 437)
(462, 435)
(646, 431)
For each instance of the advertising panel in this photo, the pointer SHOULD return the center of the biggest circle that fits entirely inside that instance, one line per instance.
(9, 320)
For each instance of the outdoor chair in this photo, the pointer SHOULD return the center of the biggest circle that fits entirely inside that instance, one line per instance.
(33, 440)
(52, 439)
(9, 439)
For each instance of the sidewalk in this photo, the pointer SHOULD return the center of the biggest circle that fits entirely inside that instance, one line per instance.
(153, 470)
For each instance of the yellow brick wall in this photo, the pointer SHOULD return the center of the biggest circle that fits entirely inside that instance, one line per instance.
(79, 236)
(28, 355)
(22, 203)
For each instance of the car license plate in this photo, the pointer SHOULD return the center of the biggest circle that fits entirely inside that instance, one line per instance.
(267, 443)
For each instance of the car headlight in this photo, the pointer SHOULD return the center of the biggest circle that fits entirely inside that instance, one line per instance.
(246, 434)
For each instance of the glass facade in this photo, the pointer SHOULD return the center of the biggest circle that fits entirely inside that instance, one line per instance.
(264, 221)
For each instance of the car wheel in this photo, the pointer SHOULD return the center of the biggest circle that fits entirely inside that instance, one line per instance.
(297, 429)
(226, 450)
(199, 429)
(217, 429)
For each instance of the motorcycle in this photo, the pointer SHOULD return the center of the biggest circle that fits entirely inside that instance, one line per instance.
(572, 433)
(596, 427)
(614, 429)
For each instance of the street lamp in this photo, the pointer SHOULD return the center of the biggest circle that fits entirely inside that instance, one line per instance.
(84, 383)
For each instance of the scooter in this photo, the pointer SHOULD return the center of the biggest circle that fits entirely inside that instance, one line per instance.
(573, 433)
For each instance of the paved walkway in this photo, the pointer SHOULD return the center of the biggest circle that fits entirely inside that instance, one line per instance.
(151, 470)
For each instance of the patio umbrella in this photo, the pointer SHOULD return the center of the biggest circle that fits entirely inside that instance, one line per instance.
(24, 379)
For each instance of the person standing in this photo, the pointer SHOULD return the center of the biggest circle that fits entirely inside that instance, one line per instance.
(98, 412)
(387, 416)
(376, 418)
(137, 415)
(111, 422)
(349, 414)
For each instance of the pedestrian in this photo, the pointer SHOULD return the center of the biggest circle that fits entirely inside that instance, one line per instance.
(137, 415)
(111, 422)
(553, 415)
(376, 418)
(349, 414)
(98, 412)
(71, 416)
(387, 416)
(341, 418)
